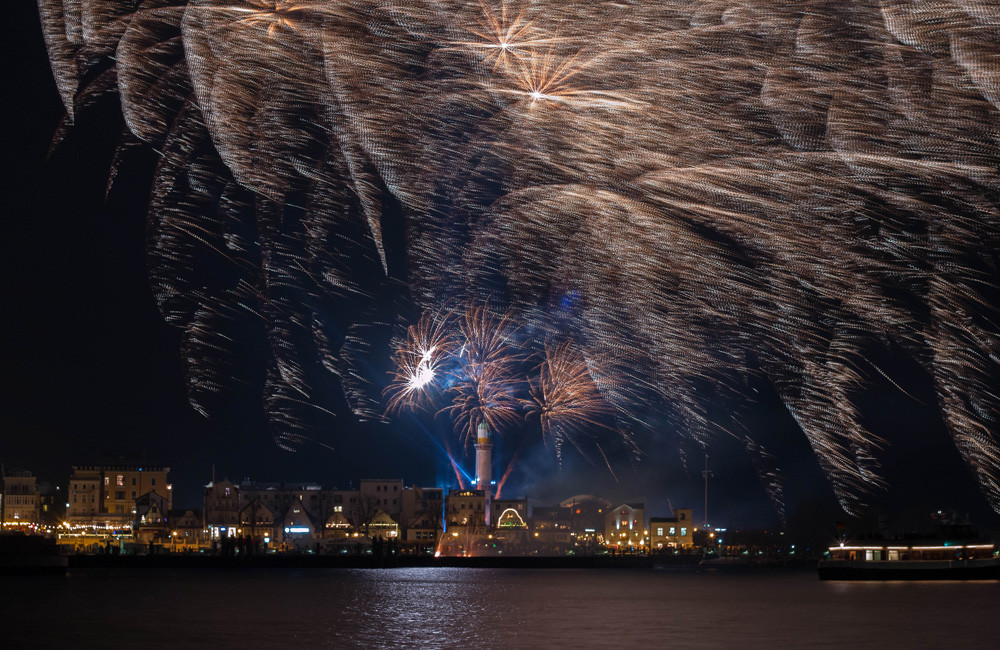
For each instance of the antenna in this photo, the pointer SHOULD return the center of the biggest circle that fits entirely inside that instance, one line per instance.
(707, 473)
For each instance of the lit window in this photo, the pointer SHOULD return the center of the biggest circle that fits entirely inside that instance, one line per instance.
(659, 531)
(684, 531)
(673, 530)
(120, 481)
(107, 480)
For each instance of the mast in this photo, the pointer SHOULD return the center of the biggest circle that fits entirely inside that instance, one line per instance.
(706, 473)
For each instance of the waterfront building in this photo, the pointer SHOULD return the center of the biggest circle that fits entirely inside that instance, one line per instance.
(382, 494)
(338, 527)
(257, 520)
(499, 506)
(588, 512)
(187, 532)
(465, 510)
(297, 528)
(151, 525)
(51, 505)
(465, 522)
(105, 495)
(422, 517)
(19, 499)
(677, 532)
(83, 503)
(552, 528)
(277, 498)
(222, 508)
(624, 527)
(383, 526)
(510, 524)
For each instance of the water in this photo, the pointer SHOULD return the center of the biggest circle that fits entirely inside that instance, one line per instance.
(487, 608)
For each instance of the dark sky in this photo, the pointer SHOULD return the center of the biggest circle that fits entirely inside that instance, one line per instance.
(91, 370)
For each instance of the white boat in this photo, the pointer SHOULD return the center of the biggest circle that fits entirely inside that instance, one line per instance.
(892, 560)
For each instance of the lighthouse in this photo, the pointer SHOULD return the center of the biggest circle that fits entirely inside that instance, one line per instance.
(484, 457)
(484, 464)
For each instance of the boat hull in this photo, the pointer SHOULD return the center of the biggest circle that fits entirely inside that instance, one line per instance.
(987, 569)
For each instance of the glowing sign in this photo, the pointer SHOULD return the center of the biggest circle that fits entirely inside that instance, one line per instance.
(296, 529)
(510, 518)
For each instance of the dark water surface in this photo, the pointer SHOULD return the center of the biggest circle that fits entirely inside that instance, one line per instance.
(487, 608)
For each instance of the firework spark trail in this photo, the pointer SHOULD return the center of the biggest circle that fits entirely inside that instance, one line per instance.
(565, 399)
(485, 383)
(418, 363)
(761, 188)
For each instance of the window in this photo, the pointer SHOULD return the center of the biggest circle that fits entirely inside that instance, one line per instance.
(133, 480)
(133, 494)
(153, 483)
(395, 488)
(107, 479)
(684, 531)
(338, 508)
(659, 531)
(120, 494)
(673, 530)
(120, 480)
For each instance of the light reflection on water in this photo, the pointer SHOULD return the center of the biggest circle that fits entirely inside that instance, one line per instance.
(485, 608)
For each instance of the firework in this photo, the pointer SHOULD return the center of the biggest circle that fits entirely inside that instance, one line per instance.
(565, 399)
(418, 363)
(485, 384)
(700, 194)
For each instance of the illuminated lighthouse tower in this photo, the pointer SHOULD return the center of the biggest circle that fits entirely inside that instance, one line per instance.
(484, 464)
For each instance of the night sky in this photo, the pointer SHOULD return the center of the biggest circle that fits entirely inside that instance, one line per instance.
(90, 370)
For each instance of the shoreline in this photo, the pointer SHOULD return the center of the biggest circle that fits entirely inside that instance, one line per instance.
(410, 561)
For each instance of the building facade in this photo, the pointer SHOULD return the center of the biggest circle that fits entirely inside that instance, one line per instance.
(625, 527)
(105, 495)
(19, 499)
(671, 533)
(222, 508)
(422, 517)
